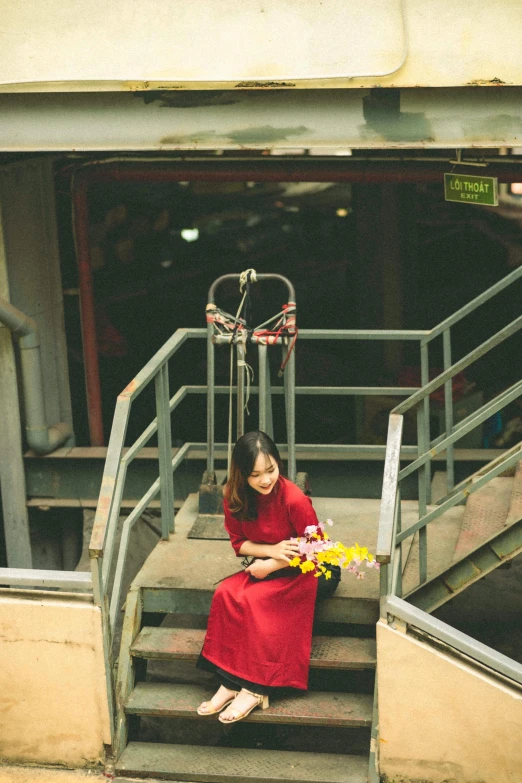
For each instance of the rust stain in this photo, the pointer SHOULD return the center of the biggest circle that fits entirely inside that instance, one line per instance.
(263, 85)
(495, 82)
(129, 389)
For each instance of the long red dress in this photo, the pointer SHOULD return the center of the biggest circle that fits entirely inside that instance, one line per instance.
(261, 630)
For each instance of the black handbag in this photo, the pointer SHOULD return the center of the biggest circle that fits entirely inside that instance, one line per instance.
(325, 587)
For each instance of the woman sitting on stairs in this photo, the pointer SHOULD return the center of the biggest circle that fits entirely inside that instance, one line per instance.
(259, 632)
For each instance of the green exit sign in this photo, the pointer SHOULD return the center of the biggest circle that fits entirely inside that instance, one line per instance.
(467, 189)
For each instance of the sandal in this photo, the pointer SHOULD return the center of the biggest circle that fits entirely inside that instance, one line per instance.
(262, 701)
(214, 710)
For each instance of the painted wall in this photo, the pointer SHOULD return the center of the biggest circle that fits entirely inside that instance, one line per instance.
(53, 700)
(441, 719)
(160, 44)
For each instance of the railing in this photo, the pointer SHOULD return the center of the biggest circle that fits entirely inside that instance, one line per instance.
(102, 544)
(391, 535)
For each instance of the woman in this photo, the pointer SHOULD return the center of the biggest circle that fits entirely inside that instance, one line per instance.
(259, 632)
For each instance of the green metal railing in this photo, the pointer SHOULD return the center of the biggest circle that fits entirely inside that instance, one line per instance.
(102, 544)
(391, 534)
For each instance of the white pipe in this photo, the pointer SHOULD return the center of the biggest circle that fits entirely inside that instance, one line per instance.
(41, 437)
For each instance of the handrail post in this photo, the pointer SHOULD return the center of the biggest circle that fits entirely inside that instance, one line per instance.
(448, 412)
(265, 392)
(165, 451)
(423, 492)
(425, 379)
(211, 381)
(398, 554)
(289, 383)
(241, 355)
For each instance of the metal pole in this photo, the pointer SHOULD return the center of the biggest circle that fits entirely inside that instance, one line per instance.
(289, 377)
(425, 379)
(165, 451)
(399, 553)
(210, 400)
(448, 412)
(423, 493)
(263, 361)
(241, 353)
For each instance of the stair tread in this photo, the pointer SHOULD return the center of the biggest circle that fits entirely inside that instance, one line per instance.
(313, 708)
(185, 644)
(515, 506)
(500, 548)
(485, 514)
(442, 535)
(201, 764)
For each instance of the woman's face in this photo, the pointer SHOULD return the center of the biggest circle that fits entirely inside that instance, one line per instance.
(264, 474)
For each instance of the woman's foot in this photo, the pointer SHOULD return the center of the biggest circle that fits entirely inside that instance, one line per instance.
(243, 704)
(219, 701)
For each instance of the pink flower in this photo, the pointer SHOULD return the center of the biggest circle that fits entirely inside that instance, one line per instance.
(310, 530)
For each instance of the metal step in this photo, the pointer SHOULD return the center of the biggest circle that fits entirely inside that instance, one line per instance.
(515, 506)
(485, 514)
(347, 710)
(200, 764)
(328, 652)
(500, 548)
(491, 536)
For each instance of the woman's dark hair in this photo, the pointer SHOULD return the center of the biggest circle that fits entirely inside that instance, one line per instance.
(240, 495)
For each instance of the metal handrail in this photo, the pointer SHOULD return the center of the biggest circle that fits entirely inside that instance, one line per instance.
(397, 608)
(102, 544)
(456, 368)
(472, 305)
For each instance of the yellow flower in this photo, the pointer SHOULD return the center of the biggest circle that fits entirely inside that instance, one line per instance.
(295, 561)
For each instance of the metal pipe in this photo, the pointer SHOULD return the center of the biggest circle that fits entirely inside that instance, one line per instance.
(240, 354)
(211, 381)
(41, 436)
(290, 409)
(448, 411)
(260, 277)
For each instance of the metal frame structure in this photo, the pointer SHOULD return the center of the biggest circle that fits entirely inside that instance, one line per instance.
(391, 535)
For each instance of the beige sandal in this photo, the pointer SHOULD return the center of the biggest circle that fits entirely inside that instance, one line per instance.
(262, 701)
(214, 711)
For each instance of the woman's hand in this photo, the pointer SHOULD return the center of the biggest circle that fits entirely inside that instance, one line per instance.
(261, 568)
(285, 550)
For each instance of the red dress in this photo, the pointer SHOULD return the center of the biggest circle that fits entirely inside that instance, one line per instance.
(261, 630)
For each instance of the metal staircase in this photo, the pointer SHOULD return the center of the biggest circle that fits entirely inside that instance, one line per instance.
(428, 551)
(489, 534)
(323, 735)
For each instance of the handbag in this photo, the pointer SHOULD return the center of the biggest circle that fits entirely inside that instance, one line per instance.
(325, 587)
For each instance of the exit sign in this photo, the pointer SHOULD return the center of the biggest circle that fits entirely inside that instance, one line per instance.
(467, 189)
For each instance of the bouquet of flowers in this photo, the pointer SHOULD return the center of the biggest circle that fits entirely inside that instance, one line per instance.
(317, 550)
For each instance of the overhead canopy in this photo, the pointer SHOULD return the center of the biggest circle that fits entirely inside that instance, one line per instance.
(70, 45)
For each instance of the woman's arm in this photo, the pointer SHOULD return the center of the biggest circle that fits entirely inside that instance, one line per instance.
(283, 551)
(261, 568)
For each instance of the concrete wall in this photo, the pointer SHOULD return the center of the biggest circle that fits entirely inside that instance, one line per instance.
(442, 719)
(53, 698)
